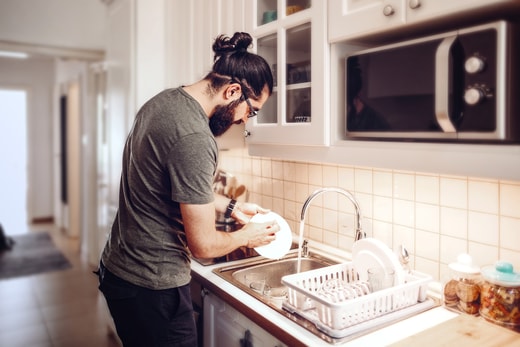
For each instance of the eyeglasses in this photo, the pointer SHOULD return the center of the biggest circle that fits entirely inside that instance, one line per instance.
(252, 112)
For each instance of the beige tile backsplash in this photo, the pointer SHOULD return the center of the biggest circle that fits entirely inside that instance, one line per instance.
(436, 217)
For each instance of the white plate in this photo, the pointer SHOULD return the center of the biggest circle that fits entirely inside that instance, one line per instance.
(370, 252)
(282, 244)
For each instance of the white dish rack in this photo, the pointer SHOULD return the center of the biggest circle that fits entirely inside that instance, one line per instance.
(333, 317)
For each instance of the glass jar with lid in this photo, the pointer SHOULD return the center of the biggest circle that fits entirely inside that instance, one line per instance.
(500, 295)
(462, 292)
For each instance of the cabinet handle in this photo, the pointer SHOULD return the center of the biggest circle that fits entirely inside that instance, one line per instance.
(413, 4)
(247, 133)
(204, 292)
(247, 341)
(388, 10)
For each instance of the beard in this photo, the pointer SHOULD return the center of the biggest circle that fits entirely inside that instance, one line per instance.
(223, 118)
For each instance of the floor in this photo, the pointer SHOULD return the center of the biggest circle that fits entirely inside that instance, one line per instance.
(55, 309)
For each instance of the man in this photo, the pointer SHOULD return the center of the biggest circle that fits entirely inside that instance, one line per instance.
(167, 205)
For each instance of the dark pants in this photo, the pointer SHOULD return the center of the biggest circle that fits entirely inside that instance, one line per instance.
(149, 318)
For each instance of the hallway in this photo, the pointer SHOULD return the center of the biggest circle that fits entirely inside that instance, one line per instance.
(55, 309)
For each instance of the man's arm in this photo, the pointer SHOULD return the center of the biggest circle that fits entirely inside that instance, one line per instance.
(205, 241)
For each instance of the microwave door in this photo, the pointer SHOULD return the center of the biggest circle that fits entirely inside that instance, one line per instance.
(456, 86)
(391, 92)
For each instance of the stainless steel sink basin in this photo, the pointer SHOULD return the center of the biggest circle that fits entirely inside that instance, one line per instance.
(268, 287)
(273, 272)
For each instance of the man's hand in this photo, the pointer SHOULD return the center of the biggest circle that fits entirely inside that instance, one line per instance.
(245, 210)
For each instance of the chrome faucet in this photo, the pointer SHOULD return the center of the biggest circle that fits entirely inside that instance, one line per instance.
(359, 233)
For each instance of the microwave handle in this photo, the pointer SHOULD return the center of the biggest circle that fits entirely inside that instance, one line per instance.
(442, 78)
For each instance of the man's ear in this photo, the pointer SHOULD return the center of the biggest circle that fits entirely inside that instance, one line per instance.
(233, 91)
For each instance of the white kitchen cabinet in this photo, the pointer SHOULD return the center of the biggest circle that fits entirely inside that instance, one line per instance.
(224, 326)
(350, 19)
(291, 35)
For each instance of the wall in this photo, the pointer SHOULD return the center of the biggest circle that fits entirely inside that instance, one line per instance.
(120, 89)
(150, 47)
(188, 24)
(435, 216)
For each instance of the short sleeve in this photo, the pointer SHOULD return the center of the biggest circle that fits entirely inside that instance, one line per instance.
(191, 165)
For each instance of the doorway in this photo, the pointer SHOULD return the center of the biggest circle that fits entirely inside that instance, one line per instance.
(13, 156)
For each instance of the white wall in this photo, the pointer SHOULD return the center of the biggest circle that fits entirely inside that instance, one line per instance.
(150, 52)
(120, 103)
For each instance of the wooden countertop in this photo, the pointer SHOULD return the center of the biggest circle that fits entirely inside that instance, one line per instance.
(463, 330)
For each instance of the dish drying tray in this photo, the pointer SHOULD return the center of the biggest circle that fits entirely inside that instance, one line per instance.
(335, 318)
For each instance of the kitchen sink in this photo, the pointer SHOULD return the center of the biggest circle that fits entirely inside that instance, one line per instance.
(274, 293)
(266, 283)
(273, 272)
(266, 286)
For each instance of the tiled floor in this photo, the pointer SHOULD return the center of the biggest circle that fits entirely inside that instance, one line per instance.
(55, 309)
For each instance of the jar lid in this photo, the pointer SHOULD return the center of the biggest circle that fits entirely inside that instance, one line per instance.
(465, 265)
(502, 274)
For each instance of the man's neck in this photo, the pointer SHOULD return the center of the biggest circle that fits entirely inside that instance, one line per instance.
(199, 91)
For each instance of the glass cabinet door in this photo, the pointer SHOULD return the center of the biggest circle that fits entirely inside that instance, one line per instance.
(296, 111)
(267, 47)
(268, 10)
(298, 72)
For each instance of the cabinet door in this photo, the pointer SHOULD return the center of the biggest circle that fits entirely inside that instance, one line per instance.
(291, 36)
(224, 326)
(350, 18)
(354, 18)
(420, 10)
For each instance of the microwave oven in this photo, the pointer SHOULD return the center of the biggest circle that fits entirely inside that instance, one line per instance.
(458, 86)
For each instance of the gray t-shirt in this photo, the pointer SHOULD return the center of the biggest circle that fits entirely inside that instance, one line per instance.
(170, 157)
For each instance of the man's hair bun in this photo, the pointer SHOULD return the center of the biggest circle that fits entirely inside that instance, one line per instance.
(240, 42)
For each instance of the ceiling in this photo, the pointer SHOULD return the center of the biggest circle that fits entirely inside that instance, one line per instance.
(57, 28)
